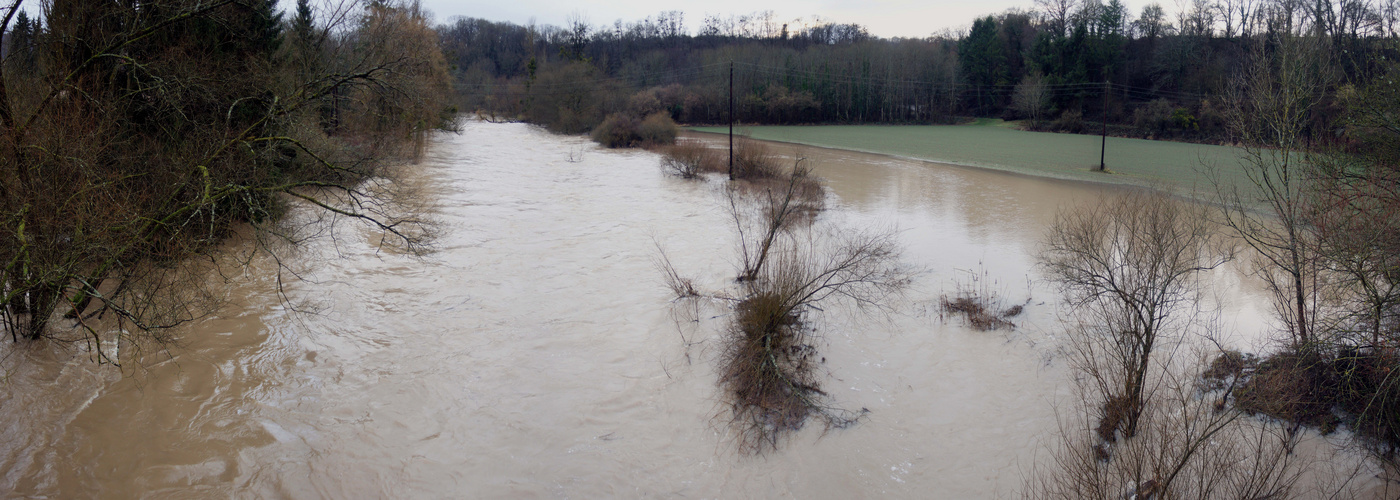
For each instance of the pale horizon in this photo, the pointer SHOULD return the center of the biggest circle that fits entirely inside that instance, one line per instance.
(883, 18)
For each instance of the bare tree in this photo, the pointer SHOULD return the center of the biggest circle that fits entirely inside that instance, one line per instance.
(1355, 215)
(1148, 421)
(1152, 24)
(1268, 111)
(1126, 267)
(1057, 13)
(1032, 98)
(765, 203)
(1191, 447)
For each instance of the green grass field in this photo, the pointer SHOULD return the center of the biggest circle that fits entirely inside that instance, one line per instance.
(992, 144)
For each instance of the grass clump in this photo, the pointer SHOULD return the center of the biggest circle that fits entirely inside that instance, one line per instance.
(980, 305)
(979, 312)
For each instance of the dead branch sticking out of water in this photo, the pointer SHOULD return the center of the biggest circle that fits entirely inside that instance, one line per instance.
(764, 211)
(680, 286)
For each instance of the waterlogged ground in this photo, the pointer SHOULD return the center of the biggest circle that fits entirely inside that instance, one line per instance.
(537, 354)
(1061, 156)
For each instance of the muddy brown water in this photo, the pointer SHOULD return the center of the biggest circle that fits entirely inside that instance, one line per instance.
(537, 354)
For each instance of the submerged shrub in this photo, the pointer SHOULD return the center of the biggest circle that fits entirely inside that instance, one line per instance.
(657, 130)
(1356, 387)
(980, 314)
(769, 371)
(769, 363)
(1369, 393)
(754, 160)
(618, 130)
(1291, 386)
(621, 130)
(978, 302)
(689, 159)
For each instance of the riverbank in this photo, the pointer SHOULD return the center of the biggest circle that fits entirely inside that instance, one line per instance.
(1042, 154)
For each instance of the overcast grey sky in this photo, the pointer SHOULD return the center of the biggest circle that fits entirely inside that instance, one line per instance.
(886, 18)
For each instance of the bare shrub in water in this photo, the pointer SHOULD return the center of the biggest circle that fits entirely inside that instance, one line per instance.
(1190, 445)
(680, 286)
(1126, 267)
(1147, 421)
(689, 159)
(769, 363)
(754, 160)
(768, 370)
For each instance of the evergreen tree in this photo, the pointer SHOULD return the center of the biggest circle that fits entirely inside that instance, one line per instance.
(264, 27)
(21, 43)
(983, 61)
(303, 25)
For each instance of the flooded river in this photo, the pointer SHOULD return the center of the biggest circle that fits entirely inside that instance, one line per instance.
(536, 352)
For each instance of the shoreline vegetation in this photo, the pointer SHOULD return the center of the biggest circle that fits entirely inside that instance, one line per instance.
(214, 119)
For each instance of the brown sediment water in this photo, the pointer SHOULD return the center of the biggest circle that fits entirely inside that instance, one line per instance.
(537, 353)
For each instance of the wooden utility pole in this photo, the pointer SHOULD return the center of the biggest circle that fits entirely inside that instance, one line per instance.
(731, 120)
(1103, 144)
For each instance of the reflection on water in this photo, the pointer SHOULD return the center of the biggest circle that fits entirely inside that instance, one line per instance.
(535, 353)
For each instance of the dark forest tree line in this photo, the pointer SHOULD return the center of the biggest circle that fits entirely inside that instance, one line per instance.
(1165, 74)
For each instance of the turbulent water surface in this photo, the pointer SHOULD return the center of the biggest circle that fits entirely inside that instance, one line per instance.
(536, 352)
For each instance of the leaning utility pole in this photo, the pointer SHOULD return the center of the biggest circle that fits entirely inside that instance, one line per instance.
(731, 120)
(1103, 143)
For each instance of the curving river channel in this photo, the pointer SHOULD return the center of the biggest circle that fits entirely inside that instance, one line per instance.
(536, 352)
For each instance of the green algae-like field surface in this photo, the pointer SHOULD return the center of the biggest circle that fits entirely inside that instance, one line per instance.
(1064, 156)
